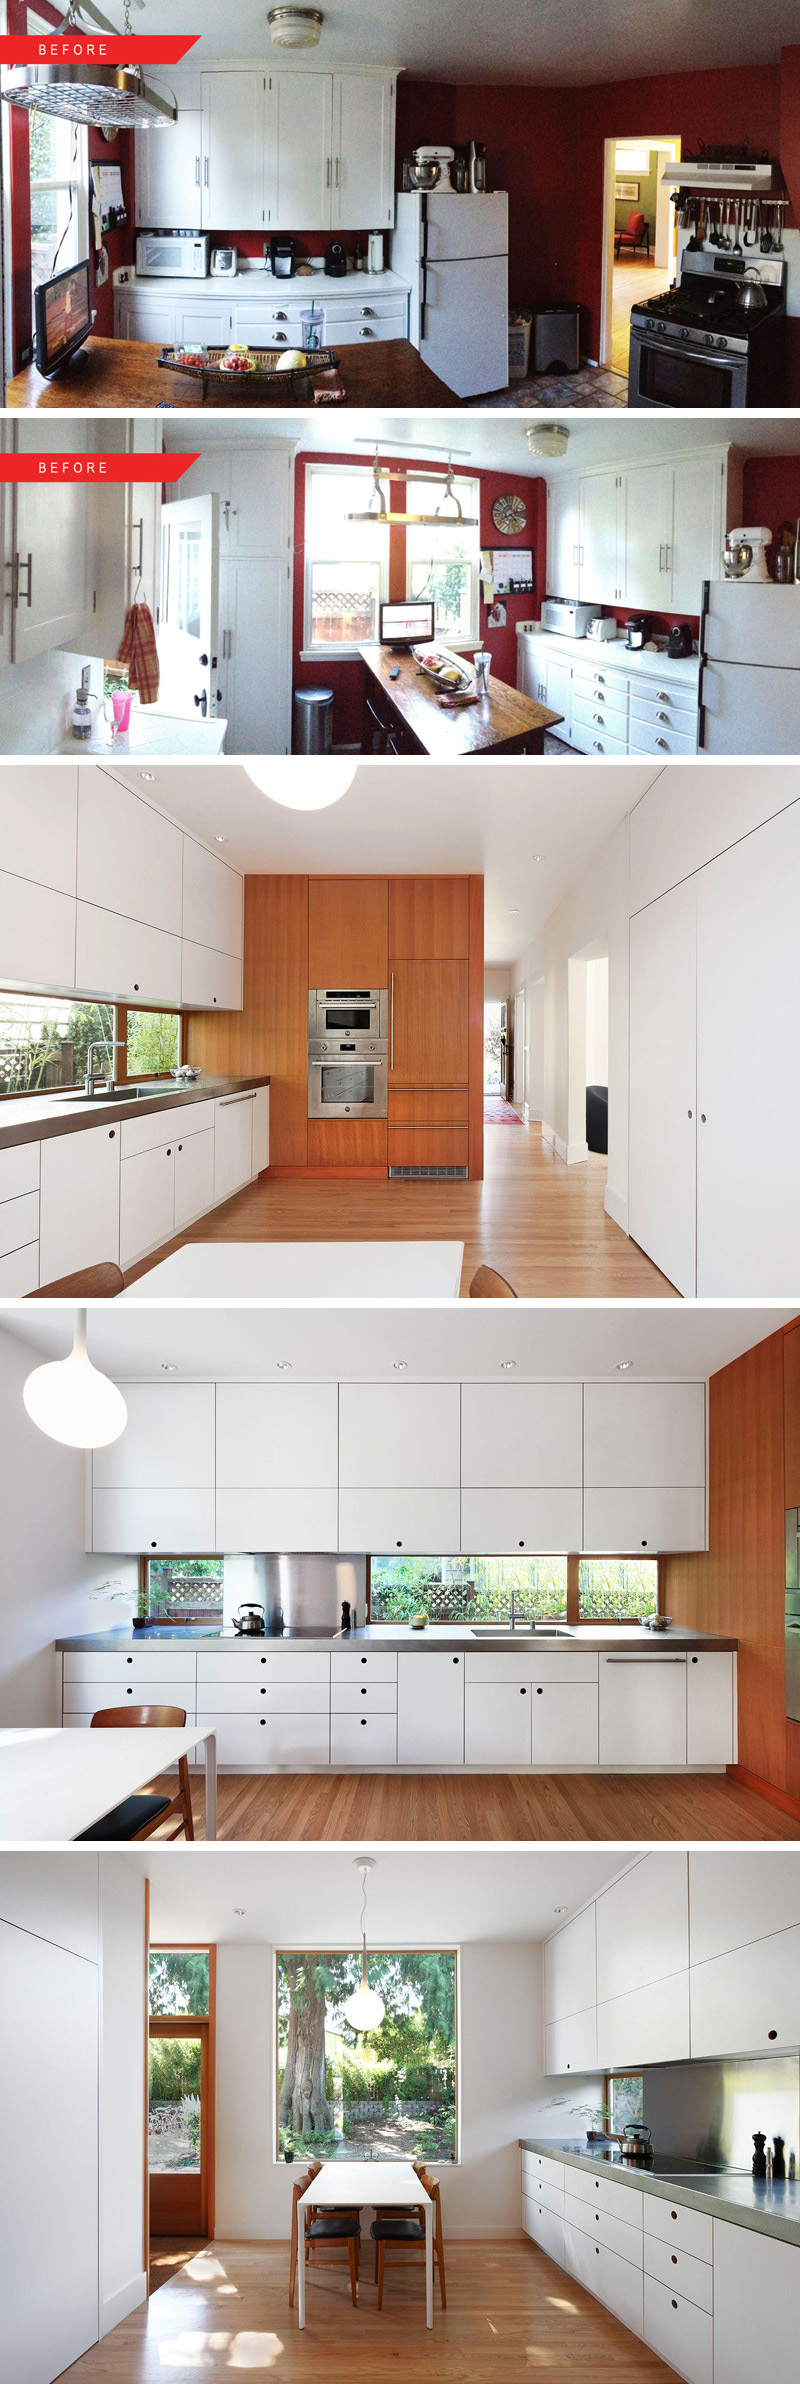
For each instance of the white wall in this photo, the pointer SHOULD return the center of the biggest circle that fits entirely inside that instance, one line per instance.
(123, 2283)
(503, 2093)
(48, 1585)
(594, 912)
(497, 984)
(597, 1021)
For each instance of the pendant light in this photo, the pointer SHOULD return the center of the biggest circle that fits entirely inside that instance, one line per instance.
(72, 1401)
(302, 781)
(364, 2010)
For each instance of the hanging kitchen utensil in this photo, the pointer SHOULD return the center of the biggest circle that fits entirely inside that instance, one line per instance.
(765, 242)
(699, 223)
(777, 245)
(751, 226)
(737, 223)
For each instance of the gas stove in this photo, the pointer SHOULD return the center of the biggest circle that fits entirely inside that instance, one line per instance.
(695, 345)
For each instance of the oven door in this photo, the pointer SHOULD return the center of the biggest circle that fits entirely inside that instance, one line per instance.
(346, 1012)
(353, 1087)
(663, 374)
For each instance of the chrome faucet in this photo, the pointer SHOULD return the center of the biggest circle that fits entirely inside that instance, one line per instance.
(91, 1081)
(512, 1621)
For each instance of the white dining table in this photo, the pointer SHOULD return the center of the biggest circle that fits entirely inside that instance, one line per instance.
(304, 1271)
(54, 1784)
(360, 2185)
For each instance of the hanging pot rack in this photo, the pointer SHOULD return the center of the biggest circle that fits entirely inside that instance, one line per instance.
(378, 511)
(114, 98)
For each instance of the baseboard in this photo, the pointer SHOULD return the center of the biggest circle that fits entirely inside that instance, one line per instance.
(764, 1788)
(548, 1134)
(361, 1175)
(576, 1151)
(119, 2305)
(615, 1208)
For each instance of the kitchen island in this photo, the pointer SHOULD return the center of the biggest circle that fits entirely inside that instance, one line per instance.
(124, 374)
(404, 714)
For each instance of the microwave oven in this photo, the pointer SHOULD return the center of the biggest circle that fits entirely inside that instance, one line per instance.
(181, 256)
(566, 619)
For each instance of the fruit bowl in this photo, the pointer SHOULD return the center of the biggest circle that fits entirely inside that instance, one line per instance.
(444, 668)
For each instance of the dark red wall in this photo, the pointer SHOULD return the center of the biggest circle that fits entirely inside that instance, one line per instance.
(531, 147)
(771, 492)
(347, 677)
(120, 245)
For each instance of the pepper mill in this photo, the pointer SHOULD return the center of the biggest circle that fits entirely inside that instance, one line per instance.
(345, 1614)
(759, 2156)
(778, 2159)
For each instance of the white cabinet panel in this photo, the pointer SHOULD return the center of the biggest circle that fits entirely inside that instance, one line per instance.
(150, 1521)
(256, 1742)
(82, 1697)
(663, 1083)
(50, 2033)
(283, 1521)
(364, 1739)
(126, 960)
(278, 1669)
(368, 1696)
(613, 2281)
(37, 934)
(642, 1924)
(605, 2191)
(194, 1176)
(648, 2024)
(644, 1433)
(607, 2226)
(233, 1143)
(299, 154)
(746, 998)
(38, 823)
(526, 1435)
(679, 2332)
(642, 1711)
(563, 1724)
(545, 2227)
(674, 2224)
(140, 317)
(498, 1522)
(19, 1272)
(277, 1436)
(154, 1488)
(756, 2305)
(571, 2044)
(385, 1520)
(648, 522)
(363, 153)
(271, 1697)
(563, 538)
(369, 1666)
(212, 900)
(430, 1709)
(151, 1664)
(129, 857)
(497, 1724)
(735, 1898)
(169, 174)
(695, 531)
(78, 1201)
(233, 152)
(693, 2279)
(51, 541)
(391, 1435)
(209, 980)
(19, 1222)
(146, 1202)
(749, 2000)
(619, 1522)
(602, 538)
(710, 1716)
(570, 1972)
(255, 616)
(262, 484)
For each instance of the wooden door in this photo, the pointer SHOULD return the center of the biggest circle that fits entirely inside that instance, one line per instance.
(180, 2132)
(429, 1022)
(429, 918)
(791, 1416)
(348, 931)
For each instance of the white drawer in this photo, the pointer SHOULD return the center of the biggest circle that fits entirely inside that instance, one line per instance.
(603, 2193)
(550, 1669)
(259, 1742)
(598, 712)
(363, 1739)
(374, 1696)
(347, 330)
(684, 2230)
(153, 1663)
(646, 739)
(615, 2282)
(19, 1272)
(679, 2332)
(363, 1667)
(678, 710)
(593, 687)
(612, 2232)
(19, 1222)
(596, 740)
(165, 1124)
(19, 1169)
(273, 1697)
(694, 2279)
(80, 1697)
(537, 2164)
(295, 1670)
(546, 2228)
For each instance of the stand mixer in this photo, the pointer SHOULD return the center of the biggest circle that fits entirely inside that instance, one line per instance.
(745, 554)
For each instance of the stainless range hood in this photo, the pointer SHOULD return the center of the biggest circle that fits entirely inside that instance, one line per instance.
(116, 98)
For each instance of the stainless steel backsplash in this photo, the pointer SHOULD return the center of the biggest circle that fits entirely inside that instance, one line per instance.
(307, 1590)
(709, 2110)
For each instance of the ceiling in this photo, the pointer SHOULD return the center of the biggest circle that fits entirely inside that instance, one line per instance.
(456, 1895)
(495, 441)
(487, 819)
(513, 41)
(460, 1342)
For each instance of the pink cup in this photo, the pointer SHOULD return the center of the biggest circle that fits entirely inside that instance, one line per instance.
(121, 708)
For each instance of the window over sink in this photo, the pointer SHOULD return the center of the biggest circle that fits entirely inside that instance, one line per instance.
(59, 195)
(181, 1589)
(45, 1040)
(390, 2094)
(479, 1589)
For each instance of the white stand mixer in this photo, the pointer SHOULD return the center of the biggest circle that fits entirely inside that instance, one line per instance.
(745, 554)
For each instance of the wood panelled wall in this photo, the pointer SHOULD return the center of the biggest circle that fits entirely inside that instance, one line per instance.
(270, 1032)
(739, 1586)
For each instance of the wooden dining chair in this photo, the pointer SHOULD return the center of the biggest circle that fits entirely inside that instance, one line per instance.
(299, 2186)
(405, 2232)
(138, 1816)
(488, 1285)
(102, 1282)
(323, 2229)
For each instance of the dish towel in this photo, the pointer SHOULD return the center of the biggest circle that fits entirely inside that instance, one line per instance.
(138, 648)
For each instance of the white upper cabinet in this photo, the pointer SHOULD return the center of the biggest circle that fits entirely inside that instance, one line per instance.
(128, 962)
(648, 507)
(645, 2024)
(129, 856)
(395, 1435)
(169, 172)
(362, 197)
(38, 823)
(209, 980)
(37, 933)
(564, 538)
(736, 1898)
(748, 2001)
(643, 1924)
(570, 1968)
(299, 152)
(212, 900)
(521, 1434)
(154, 1488)
(277, 1451)
(260, 501)
(649, 1432)
(602, 538)
(694, 529)
(233, 153)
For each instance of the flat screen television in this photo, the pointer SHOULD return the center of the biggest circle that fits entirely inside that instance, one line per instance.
(63, 316)
(407, 624)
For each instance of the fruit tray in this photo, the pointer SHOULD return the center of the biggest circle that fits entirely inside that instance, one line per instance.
(436, 661)
(264, 367)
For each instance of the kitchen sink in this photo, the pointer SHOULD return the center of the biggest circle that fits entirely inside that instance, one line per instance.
(533, 1630)
(122, 1092)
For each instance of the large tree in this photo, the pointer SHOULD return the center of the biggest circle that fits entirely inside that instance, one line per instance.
(303, 2103)
(313, 1988)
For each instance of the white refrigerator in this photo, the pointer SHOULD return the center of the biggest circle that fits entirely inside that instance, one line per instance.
(750, 668)
(453, 250)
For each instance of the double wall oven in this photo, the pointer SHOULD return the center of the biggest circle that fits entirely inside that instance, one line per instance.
(348, 1052)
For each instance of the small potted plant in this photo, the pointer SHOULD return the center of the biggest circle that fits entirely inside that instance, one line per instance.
(601, 2121)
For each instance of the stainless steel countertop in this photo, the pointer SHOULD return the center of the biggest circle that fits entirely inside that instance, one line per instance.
(735, 2196)
(34, 1117)
(395, 1639)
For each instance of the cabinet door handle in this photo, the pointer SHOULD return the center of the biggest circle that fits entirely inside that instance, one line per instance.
(391, 1024)
(662, 744)
(231, 1099)
(137, 568)
(327, 173)
(25, 564)
(197, 172)
(337, 173)
(205, 172)
(645, 1659)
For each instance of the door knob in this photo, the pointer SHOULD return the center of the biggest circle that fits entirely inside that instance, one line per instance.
(204, 661)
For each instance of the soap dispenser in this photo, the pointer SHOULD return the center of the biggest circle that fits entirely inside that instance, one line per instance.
(81, 722)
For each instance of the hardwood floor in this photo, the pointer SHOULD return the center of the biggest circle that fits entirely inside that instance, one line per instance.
(511, 2313)
(572, 1806)
(541, 1223)
(169, 2253)
(633, 281)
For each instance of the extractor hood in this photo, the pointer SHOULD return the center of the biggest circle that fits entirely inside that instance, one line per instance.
(709, 174)
(116, 98)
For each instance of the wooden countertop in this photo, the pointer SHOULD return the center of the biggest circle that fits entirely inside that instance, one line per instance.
(503, 721)
(124, 373)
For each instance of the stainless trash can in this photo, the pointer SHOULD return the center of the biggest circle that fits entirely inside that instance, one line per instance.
(556, 339)
(313, 719)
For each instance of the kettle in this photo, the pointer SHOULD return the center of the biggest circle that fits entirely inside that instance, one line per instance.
(250, 1621)
(751, 294)
(635, 2144)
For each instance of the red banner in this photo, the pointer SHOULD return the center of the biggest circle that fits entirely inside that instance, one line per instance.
(95, 49)
(94, 468)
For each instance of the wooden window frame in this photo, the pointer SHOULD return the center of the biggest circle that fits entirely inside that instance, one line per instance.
(177, 2025)
(156, 1010)
(194, 1615)
(573, 1615)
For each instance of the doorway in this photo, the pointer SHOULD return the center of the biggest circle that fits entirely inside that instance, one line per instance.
(634, 188)
(495, 1050)
(587, 1091)
(180, 2103)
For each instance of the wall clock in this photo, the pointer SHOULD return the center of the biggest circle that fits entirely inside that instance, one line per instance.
(509, 515)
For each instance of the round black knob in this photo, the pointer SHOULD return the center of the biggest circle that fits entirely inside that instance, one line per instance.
(129, 1692)
(644, 1543)
(129, 1659)
(674, 2259)
(153, 1543)
(263, 1720)
(689, 1113)
(674, 2305)
(363, 1659)
(702, 1117)
(262, 1659)
(695, 1659)
(169, 1151)
(772, 2033)
(363, 1721)
(262, 1692)
(398, 1543)
(539, 1692)
(111, 1133)
(455, 1659)
(523, 1692)
(363, 1692)
(180, 1146)
(136, 988)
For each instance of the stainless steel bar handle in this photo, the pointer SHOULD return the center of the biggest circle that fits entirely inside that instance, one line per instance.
(645, 1659)
(391, 1026)
(337, 172)
(138, 567)
(328, 163)
(231, 1099)
(24, 565)
(366, 1062)
(205, 172)
(197, 172)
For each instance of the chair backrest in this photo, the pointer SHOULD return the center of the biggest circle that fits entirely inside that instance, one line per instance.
(102, 1282)
(140, 1717)
(488, 1285)
(635, 224)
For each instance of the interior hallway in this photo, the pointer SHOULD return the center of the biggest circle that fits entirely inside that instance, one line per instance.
(634, 280)
(540, 1223)
(572, 1806)
(509, 2311)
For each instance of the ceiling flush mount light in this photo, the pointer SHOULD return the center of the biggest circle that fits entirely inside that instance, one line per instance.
(303, 782)
(115, 98)
(295, 28)
(72, 1401)
(547, 438)
(559, 1908)
(220, 840)
(150, 777)
(364, 2010)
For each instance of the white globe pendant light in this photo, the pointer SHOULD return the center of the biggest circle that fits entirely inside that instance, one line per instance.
(72, 1401)
(303, 781)
(364, 2010)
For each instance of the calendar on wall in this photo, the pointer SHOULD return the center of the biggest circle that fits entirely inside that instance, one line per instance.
(512, 570)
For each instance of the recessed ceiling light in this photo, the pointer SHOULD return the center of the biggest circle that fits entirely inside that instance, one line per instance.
(150, 777)
(538, 856)
(624, 1365)
(284, 1365)
(508, 1365)
(560, 1907)
(220, 840)
(400, 1365)
(239, 1911)
(514, 910)
(166, 1369)
(306, 782)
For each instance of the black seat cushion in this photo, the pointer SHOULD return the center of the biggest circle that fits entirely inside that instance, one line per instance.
(125, 1820)
(397, 2230)
(336, 2224)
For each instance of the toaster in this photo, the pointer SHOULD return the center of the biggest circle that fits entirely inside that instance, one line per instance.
(602, 627)
(224, 260)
